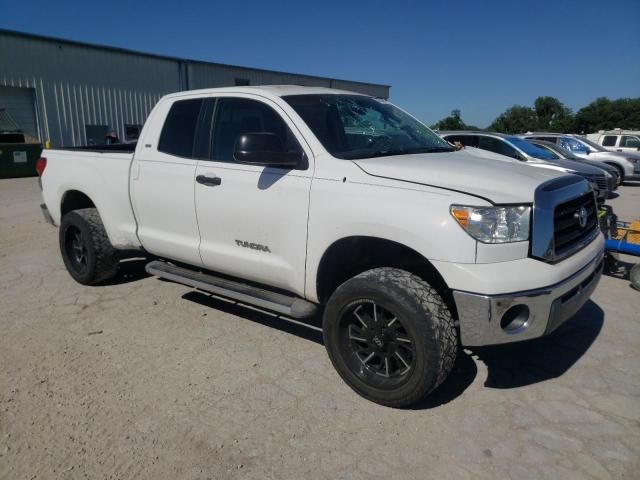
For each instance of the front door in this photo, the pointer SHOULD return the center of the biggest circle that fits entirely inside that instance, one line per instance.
(253, 219)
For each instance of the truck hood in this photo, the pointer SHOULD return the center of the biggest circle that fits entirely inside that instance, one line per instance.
(500, 180)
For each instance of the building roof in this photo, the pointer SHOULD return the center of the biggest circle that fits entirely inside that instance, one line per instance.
(167, 57)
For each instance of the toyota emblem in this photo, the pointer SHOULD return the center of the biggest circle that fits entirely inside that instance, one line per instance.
(582, 216)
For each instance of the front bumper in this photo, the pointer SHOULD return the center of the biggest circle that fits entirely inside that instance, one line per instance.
(533, 313)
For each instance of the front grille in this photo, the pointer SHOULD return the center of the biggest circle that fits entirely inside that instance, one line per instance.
(568, 235)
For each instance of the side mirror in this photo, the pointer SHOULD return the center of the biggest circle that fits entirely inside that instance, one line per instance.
(264, 148)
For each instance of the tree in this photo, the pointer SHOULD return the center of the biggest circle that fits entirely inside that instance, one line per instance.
(517, 119)
(552, 115)
(453, 122)
(548, 114)
(605, 114)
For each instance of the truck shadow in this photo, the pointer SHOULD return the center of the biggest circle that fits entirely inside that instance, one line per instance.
(508, 366)
(520, 364)
(129, 270)
(309, 329)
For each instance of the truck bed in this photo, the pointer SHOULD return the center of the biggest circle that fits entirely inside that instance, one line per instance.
(102, 172)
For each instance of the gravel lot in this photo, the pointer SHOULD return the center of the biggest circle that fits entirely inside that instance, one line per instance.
(147, 379)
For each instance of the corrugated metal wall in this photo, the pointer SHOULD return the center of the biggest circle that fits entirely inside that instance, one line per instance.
(77, 85)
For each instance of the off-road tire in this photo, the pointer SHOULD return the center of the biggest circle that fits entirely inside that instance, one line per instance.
(425, 318)
(101, 261)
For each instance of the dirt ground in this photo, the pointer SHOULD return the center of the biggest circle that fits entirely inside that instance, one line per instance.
(143, 378)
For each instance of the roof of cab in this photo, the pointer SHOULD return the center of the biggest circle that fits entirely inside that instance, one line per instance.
(268, 90)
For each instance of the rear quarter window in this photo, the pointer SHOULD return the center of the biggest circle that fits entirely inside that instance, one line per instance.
(179, 130)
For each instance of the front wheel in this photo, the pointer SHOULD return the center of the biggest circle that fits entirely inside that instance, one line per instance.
(86, 251)
(390, 336)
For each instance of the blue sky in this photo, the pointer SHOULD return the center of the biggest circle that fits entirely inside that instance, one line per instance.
(478, 56)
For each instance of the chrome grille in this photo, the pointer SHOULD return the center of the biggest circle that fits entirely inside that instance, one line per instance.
(568, 234)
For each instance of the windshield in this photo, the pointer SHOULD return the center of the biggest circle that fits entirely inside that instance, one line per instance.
(356, 126)
(591, 144)
(564, 152)
(531, 150)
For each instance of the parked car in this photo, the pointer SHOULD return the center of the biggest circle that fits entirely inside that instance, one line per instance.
(612, 174)
(519, 149)
(407, 247)
(617, 140)
(627, 163)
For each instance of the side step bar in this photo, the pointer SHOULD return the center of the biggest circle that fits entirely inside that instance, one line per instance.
(290, 306)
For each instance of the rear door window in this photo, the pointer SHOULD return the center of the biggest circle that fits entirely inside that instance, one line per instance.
(179, 130)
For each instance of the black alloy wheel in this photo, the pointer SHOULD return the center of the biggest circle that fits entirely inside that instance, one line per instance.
(76, 249)
(375, 344)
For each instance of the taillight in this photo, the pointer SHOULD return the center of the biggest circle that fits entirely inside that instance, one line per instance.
(41, 164)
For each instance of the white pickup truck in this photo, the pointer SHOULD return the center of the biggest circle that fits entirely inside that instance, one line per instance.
(304, 201)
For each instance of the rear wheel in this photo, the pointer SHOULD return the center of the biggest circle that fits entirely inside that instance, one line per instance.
(390, 336)
(86, 251)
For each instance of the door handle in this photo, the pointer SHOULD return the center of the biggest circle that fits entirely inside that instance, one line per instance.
(209, 181)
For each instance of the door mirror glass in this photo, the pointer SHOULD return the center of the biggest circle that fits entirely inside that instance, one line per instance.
(264, 148)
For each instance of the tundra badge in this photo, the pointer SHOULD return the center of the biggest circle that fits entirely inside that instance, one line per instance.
(253, 246)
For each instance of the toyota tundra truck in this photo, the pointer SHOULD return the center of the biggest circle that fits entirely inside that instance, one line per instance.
(318, 202)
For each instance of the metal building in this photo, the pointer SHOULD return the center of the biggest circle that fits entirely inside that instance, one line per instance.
(70, 93)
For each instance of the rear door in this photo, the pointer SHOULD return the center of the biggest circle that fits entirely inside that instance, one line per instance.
(162, 182)
(253, 219)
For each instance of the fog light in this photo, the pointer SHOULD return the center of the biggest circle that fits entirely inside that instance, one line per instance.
(515, 318)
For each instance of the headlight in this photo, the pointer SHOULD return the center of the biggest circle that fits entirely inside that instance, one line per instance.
(494, 224)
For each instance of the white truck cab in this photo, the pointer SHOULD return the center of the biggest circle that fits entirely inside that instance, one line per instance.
(312, 201)
(617, 140)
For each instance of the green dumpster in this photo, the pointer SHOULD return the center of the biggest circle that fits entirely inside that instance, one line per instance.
(19, 159)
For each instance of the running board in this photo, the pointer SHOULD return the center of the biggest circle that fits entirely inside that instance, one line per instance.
(290, 306)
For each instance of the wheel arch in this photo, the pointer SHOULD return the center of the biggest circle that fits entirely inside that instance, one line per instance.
(73, 199)
(350, 256)
(617, 166)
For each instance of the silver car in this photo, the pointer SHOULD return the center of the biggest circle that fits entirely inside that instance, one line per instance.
(613, 176)
(520, 149)
(627, 163)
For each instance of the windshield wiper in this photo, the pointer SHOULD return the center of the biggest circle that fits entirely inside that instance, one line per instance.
(389, 153)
